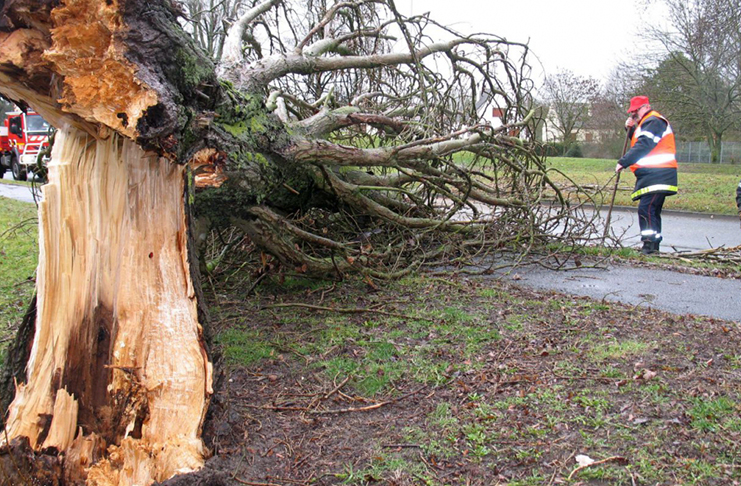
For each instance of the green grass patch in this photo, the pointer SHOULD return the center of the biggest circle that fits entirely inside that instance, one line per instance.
(708, 415)
(244, 347)
(618, 350)
(18, 260)
(13, 182)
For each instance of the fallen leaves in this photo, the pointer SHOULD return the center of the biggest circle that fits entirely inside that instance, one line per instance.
(645, 375)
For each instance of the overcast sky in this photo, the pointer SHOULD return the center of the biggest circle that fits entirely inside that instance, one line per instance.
(588, 37)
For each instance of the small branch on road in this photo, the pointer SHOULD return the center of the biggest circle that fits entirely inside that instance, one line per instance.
(720, 254)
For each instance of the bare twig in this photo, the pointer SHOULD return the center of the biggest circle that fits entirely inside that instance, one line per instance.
(720, 254)
(618, 459)
(369, 407)
(253, 483)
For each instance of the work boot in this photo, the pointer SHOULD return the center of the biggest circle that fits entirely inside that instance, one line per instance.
(650, 247)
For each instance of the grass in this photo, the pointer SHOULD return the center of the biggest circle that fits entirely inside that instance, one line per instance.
(18, 259)
(514, 384)
(349, 349)
(13, 182)
(615, 350)
(703, 188)
(243, 347)
(708, 415)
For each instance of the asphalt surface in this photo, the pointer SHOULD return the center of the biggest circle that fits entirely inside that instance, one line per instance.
(674, 292)
(20, 193)
(681, 231)
(678, 293)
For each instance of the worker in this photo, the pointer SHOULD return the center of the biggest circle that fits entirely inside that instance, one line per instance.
(652, 158)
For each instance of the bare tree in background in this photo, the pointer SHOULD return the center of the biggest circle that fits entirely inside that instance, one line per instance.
(5, 106)
(208, 21)
(609, 111)
(569, 98)
(340, 137)
(696, 79)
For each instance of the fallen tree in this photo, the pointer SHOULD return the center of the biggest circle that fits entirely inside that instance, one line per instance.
(358, 147)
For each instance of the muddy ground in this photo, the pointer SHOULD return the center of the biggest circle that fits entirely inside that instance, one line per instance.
(463, 380)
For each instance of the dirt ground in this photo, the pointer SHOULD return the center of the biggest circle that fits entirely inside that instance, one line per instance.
(463, 380)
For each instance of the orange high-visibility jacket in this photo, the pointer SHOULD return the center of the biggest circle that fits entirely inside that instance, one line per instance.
(655, 170)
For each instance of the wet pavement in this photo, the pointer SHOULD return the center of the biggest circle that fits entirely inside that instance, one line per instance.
(682, 231)
(678, 293)
(19, 193)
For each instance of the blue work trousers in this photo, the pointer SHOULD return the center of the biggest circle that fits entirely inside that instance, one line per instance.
(649, 216)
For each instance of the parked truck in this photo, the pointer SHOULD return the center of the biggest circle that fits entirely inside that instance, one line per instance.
(23, 136)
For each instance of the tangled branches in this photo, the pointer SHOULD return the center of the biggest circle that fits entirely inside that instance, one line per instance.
(394, 159)
(402, 164)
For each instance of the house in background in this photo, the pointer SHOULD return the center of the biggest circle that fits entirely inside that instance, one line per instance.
(593, 130)
(493, 115)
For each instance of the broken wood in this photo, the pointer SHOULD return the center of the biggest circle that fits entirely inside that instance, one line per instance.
(100, 372)
(720, 254)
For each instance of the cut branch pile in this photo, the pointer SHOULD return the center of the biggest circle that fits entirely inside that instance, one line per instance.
(715, 255)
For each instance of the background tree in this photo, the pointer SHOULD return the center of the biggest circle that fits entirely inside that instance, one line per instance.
(608, 112)
(208, 21)
(382, 167)
(696, 79)
(569, 98)
(6, 106)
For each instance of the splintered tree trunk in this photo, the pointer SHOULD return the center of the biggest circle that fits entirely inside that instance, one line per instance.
(118, 377)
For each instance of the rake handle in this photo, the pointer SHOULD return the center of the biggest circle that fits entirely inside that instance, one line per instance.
(614, 192)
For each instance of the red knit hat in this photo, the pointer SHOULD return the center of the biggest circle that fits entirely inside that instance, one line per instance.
(636, 102)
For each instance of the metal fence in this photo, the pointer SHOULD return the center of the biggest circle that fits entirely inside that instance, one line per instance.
(730, 152)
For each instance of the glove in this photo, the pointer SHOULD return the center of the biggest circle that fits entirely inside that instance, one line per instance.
(630, 126)
(618, 168)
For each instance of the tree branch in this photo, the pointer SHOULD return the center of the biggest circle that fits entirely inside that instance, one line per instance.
(232, 51)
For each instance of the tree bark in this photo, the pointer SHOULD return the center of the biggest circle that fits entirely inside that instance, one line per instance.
(714, 141)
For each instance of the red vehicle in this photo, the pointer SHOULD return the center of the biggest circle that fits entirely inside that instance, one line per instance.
(22, 137)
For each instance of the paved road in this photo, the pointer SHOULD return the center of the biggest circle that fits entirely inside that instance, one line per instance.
(674, 292)
(681, 231)
(679, 293)
(20, 193)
